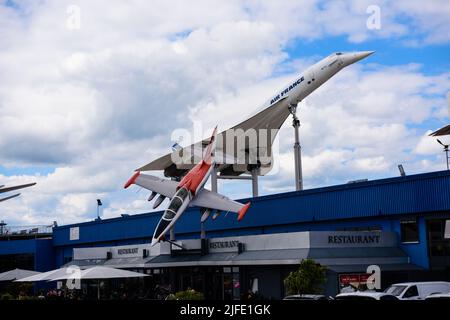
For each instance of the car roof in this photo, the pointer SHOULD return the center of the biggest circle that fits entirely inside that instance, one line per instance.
(305, 296)
(416, 283)
(363, 293)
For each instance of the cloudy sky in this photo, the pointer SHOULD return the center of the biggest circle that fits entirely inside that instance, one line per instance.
(91, 90)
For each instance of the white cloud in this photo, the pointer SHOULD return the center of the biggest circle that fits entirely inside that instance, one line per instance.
(98, 102)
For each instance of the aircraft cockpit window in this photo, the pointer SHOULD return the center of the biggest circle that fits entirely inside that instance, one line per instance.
(182, 193)
(169, 214)
(175, 204)
(338, 53)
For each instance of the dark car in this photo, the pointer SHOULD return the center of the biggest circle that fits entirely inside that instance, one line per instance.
(307, 297)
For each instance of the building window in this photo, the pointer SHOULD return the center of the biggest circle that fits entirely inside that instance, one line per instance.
(409, 230)
(438, 242)
(447, 229)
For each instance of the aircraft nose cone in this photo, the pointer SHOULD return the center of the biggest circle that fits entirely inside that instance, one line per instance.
(362, 54)
(356, 56)
(154, 242)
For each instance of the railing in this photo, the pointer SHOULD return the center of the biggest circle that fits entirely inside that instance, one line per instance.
(25, 230)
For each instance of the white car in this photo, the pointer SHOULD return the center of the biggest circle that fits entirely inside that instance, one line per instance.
(365, 295)
(417, 290)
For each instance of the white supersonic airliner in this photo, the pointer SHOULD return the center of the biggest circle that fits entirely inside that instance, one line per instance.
(271, 117)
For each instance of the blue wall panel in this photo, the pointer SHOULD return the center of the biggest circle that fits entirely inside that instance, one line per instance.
(423, 193)
(18, 246)
(44, 257)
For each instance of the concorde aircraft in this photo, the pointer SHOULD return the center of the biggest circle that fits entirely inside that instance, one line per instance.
(271, 117)
(188, 192)
(7, 189)
(444, 130)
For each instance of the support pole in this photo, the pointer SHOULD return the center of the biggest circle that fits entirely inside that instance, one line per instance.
(214, 179)
(202, 230)
(255, 182)
(172, 234)
(297, 149)
(446, 156)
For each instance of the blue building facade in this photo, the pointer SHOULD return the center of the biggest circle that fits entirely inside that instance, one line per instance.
(416, 208)
(384, 205)
(33, 253)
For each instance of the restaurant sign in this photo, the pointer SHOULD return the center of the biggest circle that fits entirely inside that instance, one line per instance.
(224, 246)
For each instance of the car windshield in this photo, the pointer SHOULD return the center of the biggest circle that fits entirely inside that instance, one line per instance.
(355, 297)
(299, 297)
(395, 290)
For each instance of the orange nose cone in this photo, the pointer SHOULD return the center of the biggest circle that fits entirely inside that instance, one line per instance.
(243, 211)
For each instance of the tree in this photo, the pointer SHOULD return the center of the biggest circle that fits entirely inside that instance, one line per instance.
(308, 279)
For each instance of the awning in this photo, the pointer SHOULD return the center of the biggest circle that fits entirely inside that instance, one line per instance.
(441, 132)
(360, 258)
(85, 263)
(327, 257)
(122, 263)
(16, 274)
(213, 259)
(126, 262)
(383, 267)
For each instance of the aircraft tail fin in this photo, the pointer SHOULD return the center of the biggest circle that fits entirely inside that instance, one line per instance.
(210, 148)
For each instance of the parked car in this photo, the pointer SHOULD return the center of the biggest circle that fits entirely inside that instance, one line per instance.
(417, 290)
(365, 295)
(307, 297)
(438, 296)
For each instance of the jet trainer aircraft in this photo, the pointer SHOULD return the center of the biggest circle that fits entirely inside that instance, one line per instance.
(188, 192)
(7, 189)
(271, 117)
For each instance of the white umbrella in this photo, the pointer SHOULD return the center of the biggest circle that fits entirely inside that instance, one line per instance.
(100, 273)
(49, 275)
(16, 274)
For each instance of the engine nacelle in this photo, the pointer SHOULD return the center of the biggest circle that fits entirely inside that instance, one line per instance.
(158, 201)
(216, 214)
(205, 214)
(152, 195)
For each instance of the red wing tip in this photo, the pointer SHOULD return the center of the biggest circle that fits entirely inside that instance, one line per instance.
(132, 179)
(243, 211)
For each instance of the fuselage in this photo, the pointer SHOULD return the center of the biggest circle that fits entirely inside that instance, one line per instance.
(315, 76)
(188, 187)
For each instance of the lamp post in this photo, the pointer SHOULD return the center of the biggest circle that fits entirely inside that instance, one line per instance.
(99, 203)
(445, 150)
